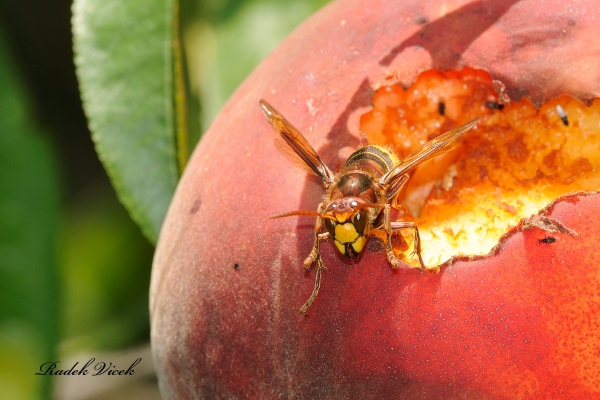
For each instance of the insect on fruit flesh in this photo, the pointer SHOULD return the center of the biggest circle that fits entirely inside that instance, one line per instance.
(547, 240)
(358, 199)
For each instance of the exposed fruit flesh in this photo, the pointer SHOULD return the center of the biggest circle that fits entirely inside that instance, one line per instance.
(516, 161)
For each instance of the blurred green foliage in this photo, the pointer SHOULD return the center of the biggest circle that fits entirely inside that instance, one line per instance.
(227, 40)
(105, 269)
(29, 213)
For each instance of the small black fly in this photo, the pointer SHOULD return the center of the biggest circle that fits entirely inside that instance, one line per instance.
(492, 105)
(547, 240)
(442, 108)
(562, 114)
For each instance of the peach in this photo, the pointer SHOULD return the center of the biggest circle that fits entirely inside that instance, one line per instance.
(522, 321)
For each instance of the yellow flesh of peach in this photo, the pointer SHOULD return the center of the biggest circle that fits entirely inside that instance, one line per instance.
(515, 162)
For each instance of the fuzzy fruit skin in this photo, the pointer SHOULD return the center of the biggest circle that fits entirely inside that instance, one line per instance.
(522, 322)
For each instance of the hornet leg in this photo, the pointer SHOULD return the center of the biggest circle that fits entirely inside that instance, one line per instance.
(397, 226)
(389, 228)
(315, 256)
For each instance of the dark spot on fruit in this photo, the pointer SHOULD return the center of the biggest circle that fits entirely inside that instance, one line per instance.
(196, 206)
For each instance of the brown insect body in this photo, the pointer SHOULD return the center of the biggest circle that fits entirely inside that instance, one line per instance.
(357, 197)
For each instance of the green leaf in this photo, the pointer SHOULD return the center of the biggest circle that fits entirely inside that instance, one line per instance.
(124, 64)
(29, 203)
